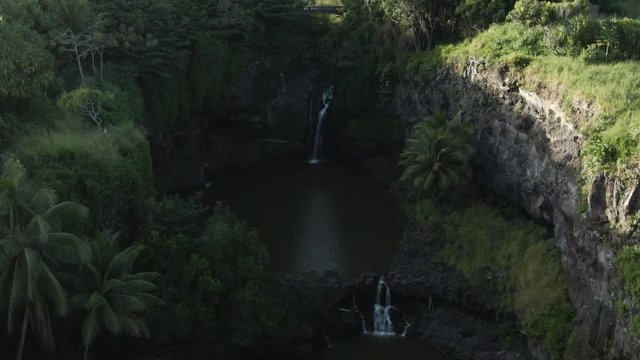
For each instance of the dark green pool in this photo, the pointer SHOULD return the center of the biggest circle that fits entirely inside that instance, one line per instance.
(315, 217)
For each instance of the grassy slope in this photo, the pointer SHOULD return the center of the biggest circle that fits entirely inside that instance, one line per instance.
(614, 88)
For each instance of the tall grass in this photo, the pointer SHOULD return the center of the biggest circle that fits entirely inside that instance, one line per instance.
(484, 241)
(500, 44)
(102, 171)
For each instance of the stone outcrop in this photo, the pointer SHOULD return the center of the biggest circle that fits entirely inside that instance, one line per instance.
(254, 124)
(528, 150)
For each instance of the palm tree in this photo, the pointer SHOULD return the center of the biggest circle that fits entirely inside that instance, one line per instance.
(437, 154)
(113, 297)
(32, 250)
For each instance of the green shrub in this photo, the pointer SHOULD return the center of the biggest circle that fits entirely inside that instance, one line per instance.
(593, 54)
(26, 66)
(425, 65)
(476, 15)
(554, 328)
(537, 12)
(127, 104)
(628, 39)
(102, 171)
(566, 9)
(213, 276)
(525, 268)
(500, 43)
(581, 32)
(629, 269)
(531, 12)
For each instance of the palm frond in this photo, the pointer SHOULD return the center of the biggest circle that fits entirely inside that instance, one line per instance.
(43, 199)
(436, 154)
(117, 296)
(91, 327)
(75, 247)
(66, 210)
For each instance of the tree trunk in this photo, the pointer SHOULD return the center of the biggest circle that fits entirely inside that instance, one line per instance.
(79, 67)
(101, 63)
(86, 351)
(23, 333)
(48, 341)
(93, 63)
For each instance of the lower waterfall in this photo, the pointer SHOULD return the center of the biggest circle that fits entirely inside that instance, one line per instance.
(382, 324)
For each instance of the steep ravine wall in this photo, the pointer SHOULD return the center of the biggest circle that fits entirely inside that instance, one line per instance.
(528, 151)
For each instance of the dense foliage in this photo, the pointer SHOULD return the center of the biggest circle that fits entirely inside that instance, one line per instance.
(113, 297)
(34, 249)
(85, 87)
(212, 283)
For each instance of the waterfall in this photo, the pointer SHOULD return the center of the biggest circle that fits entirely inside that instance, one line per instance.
(327, 96)
(382, 325)
(406, 327)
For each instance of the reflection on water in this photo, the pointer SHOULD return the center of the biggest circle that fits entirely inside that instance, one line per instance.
(372, 348)
(318, 247)
(315, 217)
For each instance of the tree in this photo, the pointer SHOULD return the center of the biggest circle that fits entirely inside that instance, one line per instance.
(531, 12)
(78, 44)
(213, 277)
(33, 248)
(437, 154)
(99, 42)
(476, 15)
(26, 67)
(238, 260)
(87, 102)
(421, 17)
(111, 295)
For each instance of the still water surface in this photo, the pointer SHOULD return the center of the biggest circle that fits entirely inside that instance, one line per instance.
(314, 217)
(371, 348)
(317, 218)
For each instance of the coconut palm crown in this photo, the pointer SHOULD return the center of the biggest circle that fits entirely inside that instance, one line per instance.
(33, 250)
(112, 297)
(436, 156)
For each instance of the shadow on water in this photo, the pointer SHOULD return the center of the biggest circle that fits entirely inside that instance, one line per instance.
(376, 348)
(321, 217)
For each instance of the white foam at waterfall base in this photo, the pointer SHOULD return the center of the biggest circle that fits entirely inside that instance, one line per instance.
(327, 96)
(382, 324)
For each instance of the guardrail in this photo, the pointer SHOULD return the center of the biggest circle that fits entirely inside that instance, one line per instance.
(320, 9)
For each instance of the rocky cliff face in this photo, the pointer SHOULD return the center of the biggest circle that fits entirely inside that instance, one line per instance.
(528, 151)
(257, 121)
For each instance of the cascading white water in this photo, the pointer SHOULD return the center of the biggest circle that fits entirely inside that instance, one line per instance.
(327, 96)
(382, 325)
